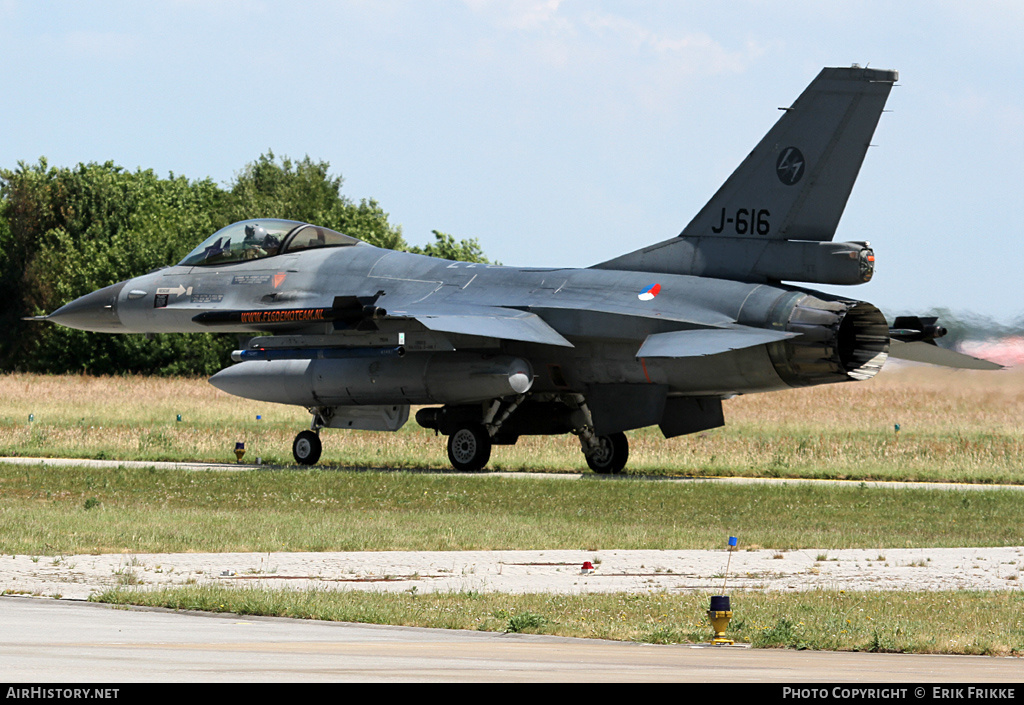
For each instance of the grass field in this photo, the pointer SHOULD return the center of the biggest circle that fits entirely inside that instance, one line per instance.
(67, 511)
(988, 623)
(955, 426)
(77, 510)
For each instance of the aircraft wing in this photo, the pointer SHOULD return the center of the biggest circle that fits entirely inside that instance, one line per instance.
(708, 341)
(920, 351)
(691, 314)
(486, 321)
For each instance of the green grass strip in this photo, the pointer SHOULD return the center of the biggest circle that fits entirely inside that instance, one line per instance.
(952, 622)
(79, 510)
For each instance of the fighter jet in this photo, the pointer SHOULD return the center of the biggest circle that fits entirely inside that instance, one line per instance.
(658, 336)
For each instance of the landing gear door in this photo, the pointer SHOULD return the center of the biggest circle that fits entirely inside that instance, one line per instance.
(368, 418)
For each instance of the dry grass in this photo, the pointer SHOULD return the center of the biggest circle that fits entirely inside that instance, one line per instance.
(919, 398)
(955, 425)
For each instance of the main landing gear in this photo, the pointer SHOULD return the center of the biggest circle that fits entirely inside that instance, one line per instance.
(469, 448)
(473, 429)
(610, 454)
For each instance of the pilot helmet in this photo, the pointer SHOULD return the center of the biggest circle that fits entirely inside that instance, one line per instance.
(255, 232)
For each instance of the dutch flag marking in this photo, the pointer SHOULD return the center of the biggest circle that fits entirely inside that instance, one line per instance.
(650, 292)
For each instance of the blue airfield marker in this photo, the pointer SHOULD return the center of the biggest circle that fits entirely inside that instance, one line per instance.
(733, 541)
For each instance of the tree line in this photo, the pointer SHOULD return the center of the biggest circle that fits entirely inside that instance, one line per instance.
(67, 231)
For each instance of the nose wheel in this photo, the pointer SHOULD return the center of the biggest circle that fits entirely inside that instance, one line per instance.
(307, 448)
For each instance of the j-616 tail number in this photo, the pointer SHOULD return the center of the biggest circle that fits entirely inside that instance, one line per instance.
(746, 221)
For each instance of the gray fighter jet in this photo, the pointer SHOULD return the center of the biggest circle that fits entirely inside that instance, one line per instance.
(658, 336)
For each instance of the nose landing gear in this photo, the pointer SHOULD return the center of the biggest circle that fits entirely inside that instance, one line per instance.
(307, 448)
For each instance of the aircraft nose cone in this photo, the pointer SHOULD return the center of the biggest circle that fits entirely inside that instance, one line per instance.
(93, 312)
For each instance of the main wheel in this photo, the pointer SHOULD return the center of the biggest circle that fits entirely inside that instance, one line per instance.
(611, 454)
(307, 448)
(469, 448)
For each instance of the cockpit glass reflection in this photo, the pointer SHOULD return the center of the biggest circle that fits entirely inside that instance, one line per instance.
(256, 239)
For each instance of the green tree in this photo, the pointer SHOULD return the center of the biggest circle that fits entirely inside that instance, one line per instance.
(65, 232)
(306, 191)
(445, 247)
(70, 231)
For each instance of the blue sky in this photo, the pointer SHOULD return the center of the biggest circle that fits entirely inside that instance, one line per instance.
(557, 132)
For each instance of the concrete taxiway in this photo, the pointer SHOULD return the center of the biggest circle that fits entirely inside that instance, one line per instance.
(73, 642)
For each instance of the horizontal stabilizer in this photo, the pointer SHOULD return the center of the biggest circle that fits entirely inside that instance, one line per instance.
(705, 341)
(934, 355)
(489, 322)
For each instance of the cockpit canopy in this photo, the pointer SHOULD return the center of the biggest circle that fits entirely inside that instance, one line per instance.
(255, 239)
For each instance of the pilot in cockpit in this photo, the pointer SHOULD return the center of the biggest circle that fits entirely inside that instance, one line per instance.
(259, 243)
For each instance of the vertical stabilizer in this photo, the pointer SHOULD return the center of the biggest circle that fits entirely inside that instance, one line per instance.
(793, 186)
